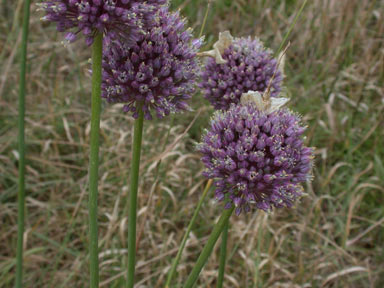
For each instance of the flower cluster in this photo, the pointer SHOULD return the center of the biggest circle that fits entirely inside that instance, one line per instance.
(237, 66)
(90, 16)
(258, 158)
(158, 73)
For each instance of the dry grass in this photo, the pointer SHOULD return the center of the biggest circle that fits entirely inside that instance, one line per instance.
(335, 75)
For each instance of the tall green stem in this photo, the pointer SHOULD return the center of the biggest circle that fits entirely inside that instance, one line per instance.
(21, 194)
(135, 167)
(186, 235)
(207, 250)
(97, 53)
(223, 255)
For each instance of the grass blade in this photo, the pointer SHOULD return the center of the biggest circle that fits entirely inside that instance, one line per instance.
(291, 27)
(21, 193)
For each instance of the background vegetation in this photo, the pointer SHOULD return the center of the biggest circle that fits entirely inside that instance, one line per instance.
(334, 237)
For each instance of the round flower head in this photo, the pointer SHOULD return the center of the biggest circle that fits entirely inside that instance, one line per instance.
(256, 156)
(236, 66)
(158, 73)
(90, 16)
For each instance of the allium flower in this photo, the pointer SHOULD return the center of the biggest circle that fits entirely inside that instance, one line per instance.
(236, 66)
(158, 73)
(256, 157)
(124, 17)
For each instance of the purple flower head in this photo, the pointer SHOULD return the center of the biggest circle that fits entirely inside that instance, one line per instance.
(124, 17)
(157, 73)
(236, 66)
(258, 158)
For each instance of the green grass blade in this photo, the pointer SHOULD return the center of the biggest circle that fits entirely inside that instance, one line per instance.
(205, 18)
(291, 27)
(21, 193)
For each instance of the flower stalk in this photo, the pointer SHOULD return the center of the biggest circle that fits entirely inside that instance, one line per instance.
(21, 192)
(97, 50)
(207, 250)
(186, 235)
(223, 255)
(135, 168)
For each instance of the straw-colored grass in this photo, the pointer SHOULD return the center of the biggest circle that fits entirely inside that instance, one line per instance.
(334, 237)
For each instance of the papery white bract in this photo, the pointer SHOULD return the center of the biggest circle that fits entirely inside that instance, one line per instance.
(225, 40)
(265, 104)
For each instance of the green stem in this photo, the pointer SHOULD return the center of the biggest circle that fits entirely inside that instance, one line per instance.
(207, 250)
(135, 167)
(186, 235)
(223, 255)
(97, 53)
(291, 27)
(21, 194)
